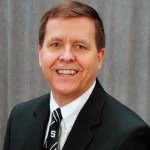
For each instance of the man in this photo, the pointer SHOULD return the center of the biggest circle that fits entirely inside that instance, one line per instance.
(71, 51)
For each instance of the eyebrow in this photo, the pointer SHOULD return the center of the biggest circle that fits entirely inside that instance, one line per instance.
(55, 39)
(81, 41)
(73, 41)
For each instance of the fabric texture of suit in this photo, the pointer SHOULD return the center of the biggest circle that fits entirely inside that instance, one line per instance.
(102, 124)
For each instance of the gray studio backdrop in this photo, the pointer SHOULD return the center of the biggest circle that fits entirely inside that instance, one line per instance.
(126, 70)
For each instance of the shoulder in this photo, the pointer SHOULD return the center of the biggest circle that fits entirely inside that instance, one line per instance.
(122, 127)
(119, 113)
(115, 117)
(28, 107)
(125, 125)
(33, 103)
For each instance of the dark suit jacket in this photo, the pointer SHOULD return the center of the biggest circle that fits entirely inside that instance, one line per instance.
(102, 124)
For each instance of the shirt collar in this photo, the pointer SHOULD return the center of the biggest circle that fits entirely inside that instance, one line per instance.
(71, 110)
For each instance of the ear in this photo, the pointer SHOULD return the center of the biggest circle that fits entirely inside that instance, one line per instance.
(40, 54)
(101, 55)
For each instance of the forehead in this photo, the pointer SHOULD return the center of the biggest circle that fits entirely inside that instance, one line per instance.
(77, 26)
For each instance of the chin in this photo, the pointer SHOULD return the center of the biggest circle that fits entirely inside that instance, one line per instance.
(66, 92)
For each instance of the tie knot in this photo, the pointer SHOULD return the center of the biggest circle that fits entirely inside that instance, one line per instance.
(56, 115)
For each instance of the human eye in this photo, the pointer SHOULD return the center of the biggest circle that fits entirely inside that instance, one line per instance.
(55, 44)
(80, 46)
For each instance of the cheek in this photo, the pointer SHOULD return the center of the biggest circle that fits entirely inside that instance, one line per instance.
(89, 63)
(47, 59)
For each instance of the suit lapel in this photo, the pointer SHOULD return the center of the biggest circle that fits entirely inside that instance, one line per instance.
(81, 133)
(35, 136)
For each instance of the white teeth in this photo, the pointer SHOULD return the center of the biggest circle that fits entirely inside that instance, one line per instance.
(67, 72)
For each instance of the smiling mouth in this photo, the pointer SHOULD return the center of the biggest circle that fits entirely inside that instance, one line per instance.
(67, 72)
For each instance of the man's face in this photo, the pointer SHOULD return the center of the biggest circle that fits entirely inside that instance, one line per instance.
(69, 57)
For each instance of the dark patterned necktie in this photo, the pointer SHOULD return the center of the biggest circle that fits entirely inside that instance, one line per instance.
(51, 142)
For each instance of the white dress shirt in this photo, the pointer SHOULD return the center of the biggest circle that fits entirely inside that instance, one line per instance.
(69, 114)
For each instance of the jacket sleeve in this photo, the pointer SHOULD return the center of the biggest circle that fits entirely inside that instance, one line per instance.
(139, 139)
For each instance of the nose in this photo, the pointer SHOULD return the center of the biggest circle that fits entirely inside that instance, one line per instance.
(67, 55)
